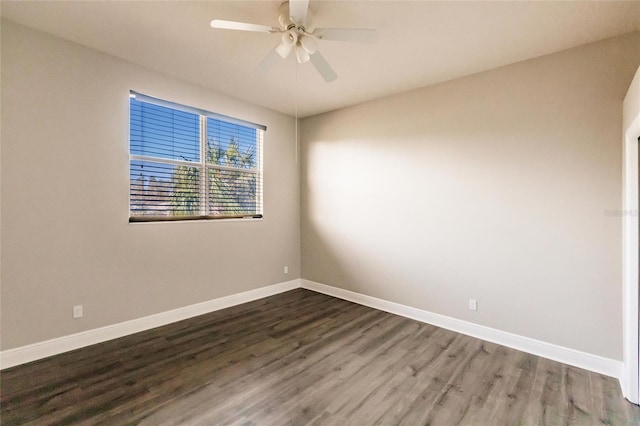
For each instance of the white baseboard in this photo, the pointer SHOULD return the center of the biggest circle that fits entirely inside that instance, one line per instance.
(598, 364)
(24, 354)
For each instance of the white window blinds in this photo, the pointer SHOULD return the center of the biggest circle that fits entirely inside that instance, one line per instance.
(188, 164)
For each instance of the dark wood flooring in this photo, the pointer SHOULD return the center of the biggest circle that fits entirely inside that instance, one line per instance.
(305, 358)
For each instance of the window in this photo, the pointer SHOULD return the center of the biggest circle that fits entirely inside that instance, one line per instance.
(187, 164)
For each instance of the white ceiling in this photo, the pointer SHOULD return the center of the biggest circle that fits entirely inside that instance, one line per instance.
(420, 43)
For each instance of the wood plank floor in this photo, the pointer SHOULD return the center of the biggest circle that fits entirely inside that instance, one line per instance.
(305, 358)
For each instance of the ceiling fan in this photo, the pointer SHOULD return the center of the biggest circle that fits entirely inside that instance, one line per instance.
(296, 37)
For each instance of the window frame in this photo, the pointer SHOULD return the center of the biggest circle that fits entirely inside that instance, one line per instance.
(203, 165)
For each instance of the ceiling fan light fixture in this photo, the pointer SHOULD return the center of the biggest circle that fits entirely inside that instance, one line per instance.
(283, 50)
(289, 39)
(301, 54)
(309, 43)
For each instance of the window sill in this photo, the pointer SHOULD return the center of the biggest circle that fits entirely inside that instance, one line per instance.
(189, 219)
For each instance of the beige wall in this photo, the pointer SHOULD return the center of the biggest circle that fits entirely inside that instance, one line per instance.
(65, 235)
(492, 187)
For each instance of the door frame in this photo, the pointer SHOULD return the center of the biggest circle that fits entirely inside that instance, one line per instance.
(629, 377)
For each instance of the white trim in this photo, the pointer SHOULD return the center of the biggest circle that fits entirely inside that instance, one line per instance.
(598, 364)
(24, 354)
(204, 175)
(629, 378)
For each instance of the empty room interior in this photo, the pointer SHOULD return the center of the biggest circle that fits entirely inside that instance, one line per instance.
(319, 212)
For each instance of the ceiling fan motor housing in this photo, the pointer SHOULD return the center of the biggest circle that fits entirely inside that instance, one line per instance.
(284, 18)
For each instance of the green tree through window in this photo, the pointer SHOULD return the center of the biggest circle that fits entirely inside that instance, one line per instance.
(185, 197)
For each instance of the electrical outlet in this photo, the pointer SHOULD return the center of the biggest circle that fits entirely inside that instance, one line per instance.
(77, 311)
(286, 269)
(473, 305)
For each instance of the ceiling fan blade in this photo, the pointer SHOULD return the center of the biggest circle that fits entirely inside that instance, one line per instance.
(323, 67)
(268, 62)
(360, 35)
(242, 26)
(298, 11)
